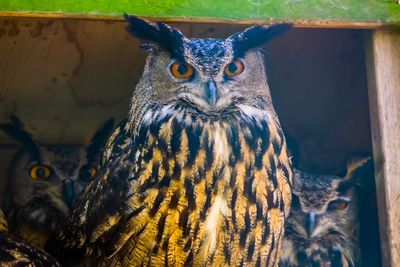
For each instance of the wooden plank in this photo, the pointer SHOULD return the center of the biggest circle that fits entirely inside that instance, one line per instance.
(368, 13)
(298, 23)
(383, 66)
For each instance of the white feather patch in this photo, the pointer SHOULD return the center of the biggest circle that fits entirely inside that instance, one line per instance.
(218, 209)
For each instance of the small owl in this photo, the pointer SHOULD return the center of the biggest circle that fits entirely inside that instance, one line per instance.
(323, 227)
(43, 181)
(17, 252)
(198, 173)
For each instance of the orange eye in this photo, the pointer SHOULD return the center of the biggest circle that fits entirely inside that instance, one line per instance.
(342, 205)
(181, 70)
(234, 68)
(39, 172)
(87, 171)
(338, 204)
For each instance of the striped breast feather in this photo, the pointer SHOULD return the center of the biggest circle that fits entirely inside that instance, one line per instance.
(189, 189)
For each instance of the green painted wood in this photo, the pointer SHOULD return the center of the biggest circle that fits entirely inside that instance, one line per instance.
(353, 10)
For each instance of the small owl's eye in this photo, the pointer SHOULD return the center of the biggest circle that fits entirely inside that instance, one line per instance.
(339, 204)
(234, 68)
(87, 171)
(181, 70)
(39, 172)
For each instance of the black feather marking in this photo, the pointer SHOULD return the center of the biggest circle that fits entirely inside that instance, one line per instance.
(285, 172)
(277, 146)
(232, 181)
(148, 155)
(189, 259)
(208, 147)
(160, 228)
(156, 124)
(193, 133)
(176, 172)
(245, 231)
(270, 199)
(98, 140)
(188, 245)
(136, 212)
(227, 253)
(247, 190)
(165, 181)
(16, 130)
(256, 36)
(149, 183)
(263, 132)
(190, 195)
(201, 174)
(272, 171)
(169, 38)
(281, 205)
(265, 234)
(165, 246)
(271, 249)
(155, 171)
(175, 199)
(183, 220)
(175, 137)
(258, 263)
(251, 250)
(234, 142)
(207, 204)
(233, 203)
(196, 230)
(259, 216)
(157, 203)
(140, 139)
(250, 136)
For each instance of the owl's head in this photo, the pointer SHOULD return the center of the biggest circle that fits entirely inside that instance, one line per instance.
(324, 215)
(43, 179)
(208, 75)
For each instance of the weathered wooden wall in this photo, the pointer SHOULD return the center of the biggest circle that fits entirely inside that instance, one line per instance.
(383, 62)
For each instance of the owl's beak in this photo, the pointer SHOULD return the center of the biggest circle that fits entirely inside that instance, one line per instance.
(211, 93)
(68, 192)
(311, 222)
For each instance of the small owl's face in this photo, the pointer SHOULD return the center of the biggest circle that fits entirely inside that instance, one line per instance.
(50, 185)
(320, 209)
(44, 180)
(322, 227)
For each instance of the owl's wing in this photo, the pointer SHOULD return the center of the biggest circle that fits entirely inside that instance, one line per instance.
(16, 252)
(99, 210)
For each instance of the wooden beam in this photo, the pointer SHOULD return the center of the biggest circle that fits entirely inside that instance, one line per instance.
(312, 13)
(383, 68)
(297, 22)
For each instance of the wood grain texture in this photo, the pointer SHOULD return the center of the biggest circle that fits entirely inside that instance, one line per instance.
(383, 65)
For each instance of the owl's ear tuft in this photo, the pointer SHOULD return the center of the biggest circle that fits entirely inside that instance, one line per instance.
(169, 38)
(16, 130)
(98, 140)
(256, 36)
(357, 168)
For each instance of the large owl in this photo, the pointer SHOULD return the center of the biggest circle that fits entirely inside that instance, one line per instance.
(17, 252)
(43, 181)
(323, 225)
(198, 173)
